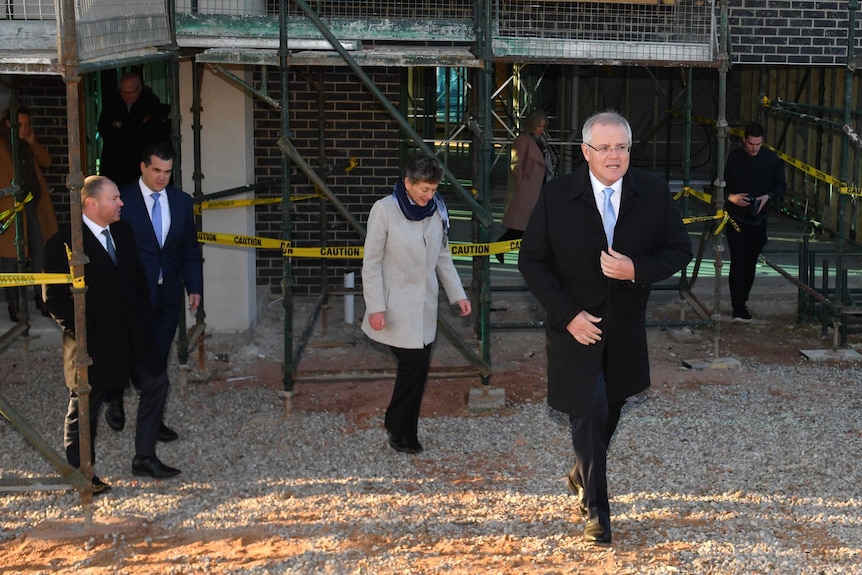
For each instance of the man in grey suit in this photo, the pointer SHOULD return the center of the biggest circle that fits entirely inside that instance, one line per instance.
(597, 239)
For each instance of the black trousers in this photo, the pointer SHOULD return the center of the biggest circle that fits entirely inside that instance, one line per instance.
(154, 394)
(70, 430)
(402, 415)
(745, 246)
(591, 437)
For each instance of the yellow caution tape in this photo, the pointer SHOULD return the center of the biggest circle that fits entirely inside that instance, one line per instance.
(8, 216)
(342, 252)
(224, 204)
(723, 223)
(718, 215)
(243, 241)
(687, 191)
(8, 280)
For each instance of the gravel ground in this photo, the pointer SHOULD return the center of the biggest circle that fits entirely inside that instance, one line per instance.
(753, 472)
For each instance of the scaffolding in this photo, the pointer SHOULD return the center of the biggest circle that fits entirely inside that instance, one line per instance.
(498, 55)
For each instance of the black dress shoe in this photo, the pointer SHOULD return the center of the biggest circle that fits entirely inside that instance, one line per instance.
(576, 488)
(152, 467)
(413, 443)
(400, 444)
(596, 532)
(166, 434)
(100, 486)
(115, 414)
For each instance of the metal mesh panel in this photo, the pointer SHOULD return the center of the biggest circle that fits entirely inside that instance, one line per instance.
(28, 10)
(651, 30)
(356, 10)
(108, 28)
(394, 9)
(233, 7)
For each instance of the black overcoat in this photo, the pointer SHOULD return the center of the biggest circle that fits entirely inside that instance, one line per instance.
(117, 306)
(559, 260)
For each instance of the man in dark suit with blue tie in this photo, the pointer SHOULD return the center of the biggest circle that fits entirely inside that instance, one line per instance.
(162, 218)
(596, 241)
(117, 314)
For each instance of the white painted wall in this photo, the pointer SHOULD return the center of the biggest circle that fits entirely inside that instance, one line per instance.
(228, 162)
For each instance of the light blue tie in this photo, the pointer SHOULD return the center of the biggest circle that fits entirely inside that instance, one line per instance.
(609, 216)
(157, 218)
(109, 245)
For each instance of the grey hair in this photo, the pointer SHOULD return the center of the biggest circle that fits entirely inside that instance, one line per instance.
(606, 118)
(424, 168)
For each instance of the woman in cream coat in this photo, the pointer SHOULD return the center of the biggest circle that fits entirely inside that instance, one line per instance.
(406, 251)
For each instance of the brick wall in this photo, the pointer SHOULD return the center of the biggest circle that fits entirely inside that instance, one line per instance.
(45, 96)
(351, 124)
(794, 32)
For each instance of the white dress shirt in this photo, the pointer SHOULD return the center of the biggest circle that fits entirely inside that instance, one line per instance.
(163, 204)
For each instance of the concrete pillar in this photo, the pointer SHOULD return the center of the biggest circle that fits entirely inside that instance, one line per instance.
(227, 157)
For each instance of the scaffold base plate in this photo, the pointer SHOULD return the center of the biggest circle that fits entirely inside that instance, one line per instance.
(720, 363)
(684, 335)
(482, 398)
(833, 355)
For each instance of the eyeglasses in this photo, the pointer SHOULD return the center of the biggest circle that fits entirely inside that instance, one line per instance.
(605, 150)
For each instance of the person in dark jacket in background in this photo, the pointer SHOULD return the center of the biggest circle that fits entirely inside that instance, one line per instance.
(754, 179)
(132, 118)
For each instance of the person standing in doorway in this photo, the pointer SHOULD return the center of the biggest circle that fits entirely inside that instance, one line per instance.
(597, 240)
(132, 118)
(754, 178)
(40, 222)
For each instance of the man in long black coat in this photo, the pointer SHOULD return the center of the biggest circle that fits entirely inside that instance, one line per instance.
(590, 263)
(117, 309)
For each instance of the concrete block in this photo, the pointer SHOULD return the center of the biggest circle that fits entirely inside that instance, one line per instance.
(720, 363)
(831, 355)
(684, 335)
(485, 397)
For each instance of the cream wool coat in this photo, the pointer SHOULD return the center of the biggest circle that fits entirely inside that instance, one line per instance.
(402, 262)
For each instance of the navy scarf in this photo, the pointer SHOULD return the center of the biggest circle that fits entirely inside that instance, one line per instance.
(415, 212)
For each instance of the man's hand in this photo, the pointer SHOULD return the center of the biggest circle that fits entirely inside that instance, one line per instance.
(740, 200)
(762, 201)
(584, 329)
(616, 265)
(194, 301)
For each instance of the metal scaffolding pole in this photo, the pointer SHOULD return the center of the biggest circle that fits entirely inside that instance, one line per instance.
(286, 209)
(721, 137)
(68, 57)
